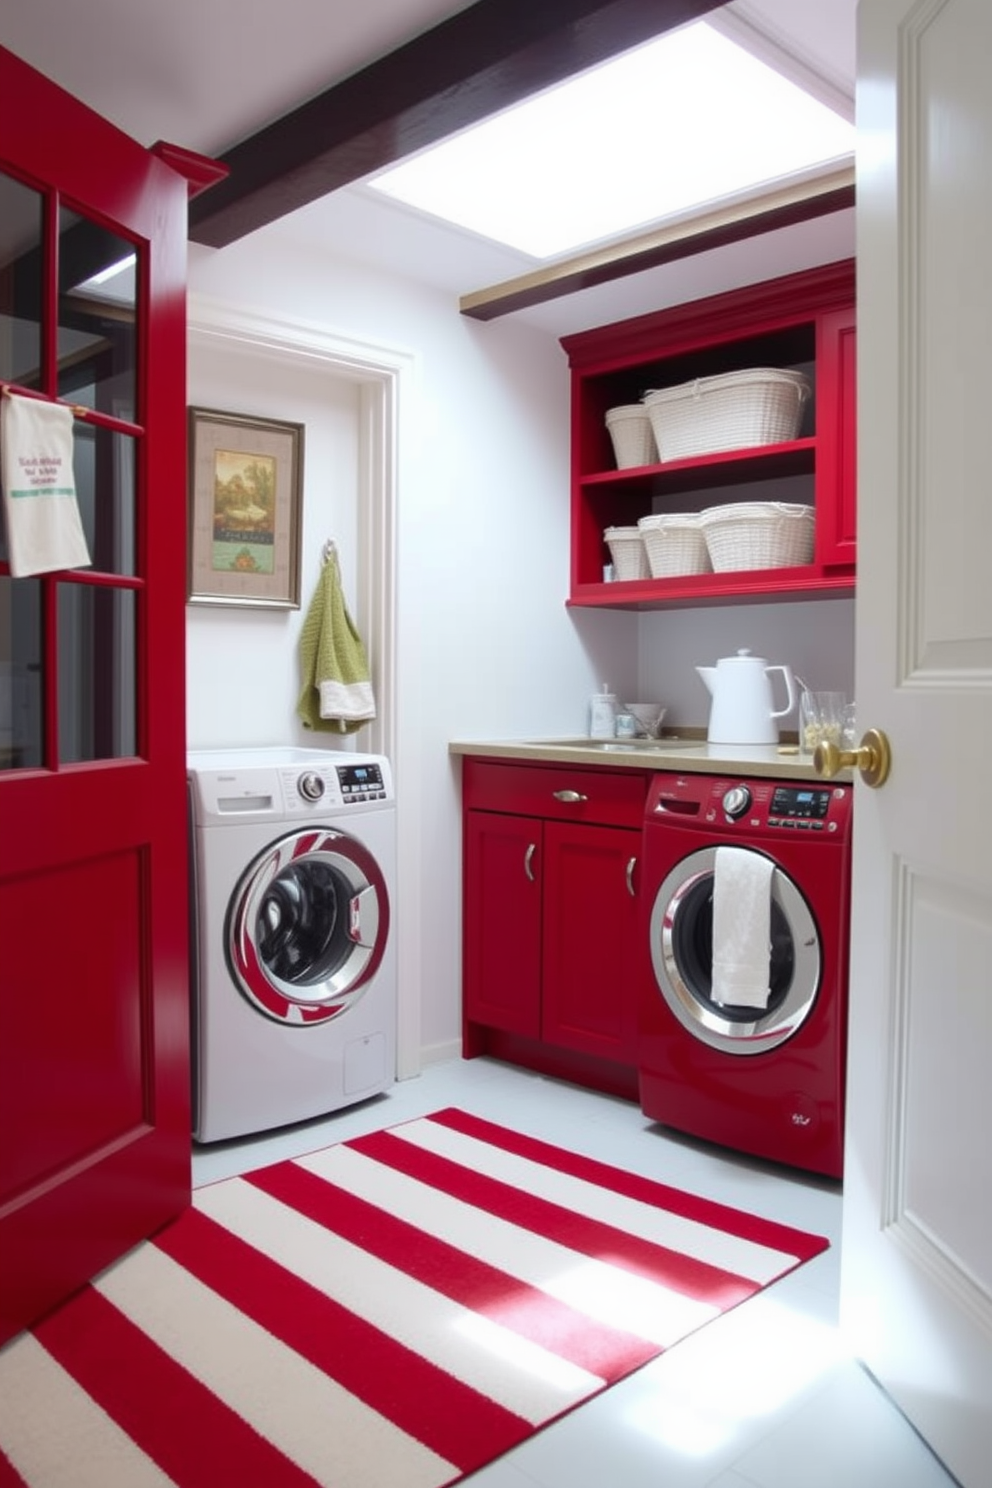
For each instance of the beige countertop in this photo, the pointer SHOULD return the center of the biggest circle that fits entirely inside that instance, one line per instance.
(687, 752)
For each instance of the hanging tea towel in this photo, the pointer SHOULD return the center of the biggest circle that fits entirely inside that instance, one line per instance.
(44, 530)
(337, 691)
(742, 910)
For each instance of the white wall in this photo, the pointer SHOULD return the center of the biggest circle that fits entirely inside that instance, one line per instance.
(242, 676)
(485, 645)
(813, 637)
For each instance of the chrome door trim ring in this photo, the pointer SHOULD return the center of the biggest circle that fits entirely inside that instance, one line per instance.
(733, 1036)
(316, 1003)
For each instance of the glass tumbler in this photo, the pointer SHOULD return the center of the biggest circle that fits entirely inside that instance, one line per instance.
(821, 719)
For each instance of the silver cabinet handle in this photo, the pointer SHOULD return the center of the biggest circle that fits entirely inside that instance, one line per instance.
(569, 795)
(630, 878)
(528, 860)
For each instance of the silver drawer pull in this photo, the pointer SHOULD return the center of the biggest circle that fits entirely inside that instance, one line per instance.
(630, 878)
(528, 860)
(569, 795)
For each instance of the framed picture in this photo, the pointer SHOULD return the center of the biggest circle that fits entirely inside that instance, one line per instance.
(245, 510)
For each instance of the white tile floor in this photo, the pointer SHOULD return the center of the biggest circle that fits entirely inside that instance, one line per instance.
(762, 1398)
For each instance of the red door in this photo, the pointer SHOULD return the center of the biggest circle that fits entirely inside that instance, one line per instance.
(94, 1041)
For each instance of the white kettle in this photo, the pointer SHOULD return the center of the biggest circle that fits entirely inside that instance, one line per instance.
(743, 710)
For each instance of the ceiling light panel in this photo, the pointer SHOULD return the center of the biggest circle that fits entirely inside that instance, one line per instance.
(681, 122)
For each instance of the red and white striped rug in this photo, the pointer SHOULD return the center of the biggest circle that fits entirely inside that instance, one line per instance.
(392, 1312)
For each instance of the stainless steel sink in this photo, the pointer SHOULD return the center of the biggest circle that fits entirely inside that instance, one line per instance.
(622, 746)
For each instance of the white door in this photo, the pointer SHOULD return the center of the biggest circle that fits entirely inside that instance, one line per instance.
(917, 1249)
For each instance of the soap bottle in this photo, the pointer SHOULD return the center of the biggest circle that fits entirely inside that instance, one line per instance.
(603, 714)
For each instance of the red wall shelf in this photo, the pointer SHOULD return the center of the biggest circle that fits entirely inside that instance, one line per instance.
(802, 321)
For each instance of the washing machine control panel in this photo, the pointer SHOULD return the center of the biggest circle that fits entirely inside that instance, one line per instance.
(322, 787)
(243, 786)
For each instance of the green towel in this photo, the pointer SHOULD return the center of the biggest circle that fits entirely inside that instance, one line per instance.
(337, 691)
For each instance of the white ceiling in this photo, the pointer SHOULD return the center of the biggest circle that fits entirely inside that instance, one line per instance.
(206, 75)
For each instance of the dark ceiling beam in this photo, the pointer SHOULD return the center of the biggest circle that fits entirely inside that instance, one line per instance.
(477, 62)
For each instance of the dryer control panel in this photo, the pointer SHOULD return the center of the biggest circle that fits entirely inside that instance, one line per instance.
(729, 806)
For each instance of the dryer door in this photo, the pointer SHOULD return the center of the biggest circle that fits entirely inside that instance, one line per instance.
(681, 931)
(307, 926)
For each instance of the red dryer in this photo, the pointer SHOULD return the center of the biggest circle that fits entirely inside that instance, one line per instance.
(766, 1080)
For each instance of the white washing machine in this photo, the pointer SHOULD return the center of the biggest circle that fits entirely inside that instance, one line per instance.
(293, 856)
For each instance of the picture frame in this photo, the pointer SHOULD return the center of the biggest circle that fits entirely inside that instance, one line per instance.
(245, 510)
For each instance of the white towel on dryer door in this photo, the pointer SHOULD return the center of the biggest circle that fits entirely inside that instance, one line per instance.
(742, 909)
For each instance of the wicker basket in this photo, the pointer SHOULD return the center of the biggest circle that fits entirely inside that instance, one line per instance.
(758, 534)
(736, 410)
(675, 544)
(632, 436)
(630, 561)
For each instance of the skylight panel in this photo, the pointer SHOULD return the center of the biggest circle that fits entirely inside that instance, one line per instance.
(685, 120)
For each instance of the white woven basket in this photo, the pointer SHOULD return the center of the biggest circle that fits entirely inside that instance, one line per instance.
(632, 435)
(630, 561)
(758, 534)
(735, 410)
(675, 544)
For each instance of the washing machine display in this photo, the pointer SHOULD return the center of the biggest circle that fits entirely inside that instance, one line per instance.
(765, 1079)
(293, 856)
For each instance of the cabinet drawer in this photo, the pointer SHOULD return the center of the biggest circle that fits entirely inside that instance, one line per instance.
(613, 797)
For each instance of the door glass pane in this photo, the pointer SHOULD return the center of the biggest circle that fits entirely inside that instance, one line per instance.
(20, 283)
(97, 710)
(302, 923)
(96, 331)
(20, 674)
(103, 463)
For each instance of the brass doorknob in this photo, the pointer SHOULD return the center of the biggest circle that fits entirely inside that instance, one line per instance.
(873, 757)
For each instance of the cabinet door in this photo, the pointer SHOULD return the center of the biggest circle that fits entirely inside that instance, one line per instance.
(836, 500)
(590, 939)
(502, 929)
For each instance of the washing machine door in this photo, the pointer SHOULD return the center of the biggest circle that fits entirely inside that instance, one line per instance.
(307, 926)
(681, 931)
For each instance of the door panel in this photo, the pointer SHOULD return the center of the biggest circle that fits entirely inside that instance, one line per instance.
(591, 960)
(94, 1005)
(917, 1252)
(502, 933)
(77, 1082)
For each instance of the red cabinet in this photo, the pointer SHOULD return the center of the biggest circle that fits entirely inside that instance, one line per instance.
(803, 322)
(551, 878)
